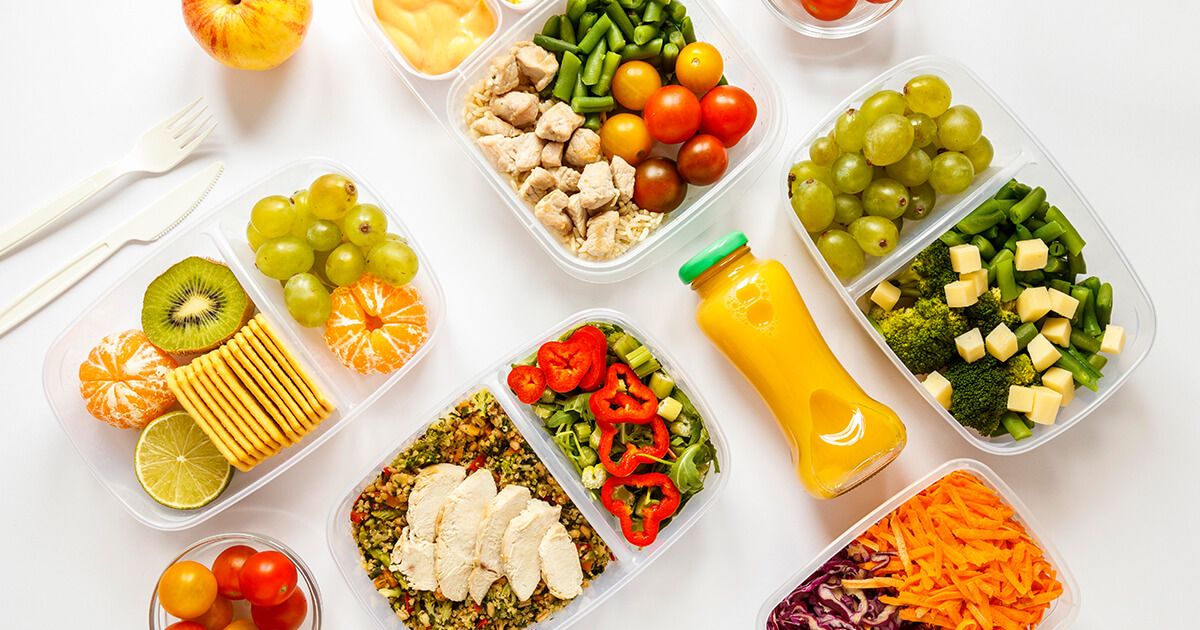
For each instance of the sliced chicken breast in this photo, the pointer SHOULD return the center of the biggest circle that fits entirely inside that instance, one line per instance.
(510, 502)
(429, 492)
(457, 528)
(413, 558)
(519, 546)
(560, 563)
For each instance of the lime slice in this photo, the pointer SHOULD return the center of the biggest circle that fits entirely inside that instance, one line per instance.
(177, 465)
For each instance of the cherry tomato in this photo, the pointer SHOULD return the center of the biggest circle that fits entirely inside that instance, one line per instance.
(829, 10)
(268, 578)
(626, 135)
(658, 186)
(699, 67)
(185, 625)
(672, 114)
(227, 566)
(187, 589)
(241, 624)
(633, 84)
(880, 1)
(703, 160)
(728, 113)
(287, 616)
(219, 615)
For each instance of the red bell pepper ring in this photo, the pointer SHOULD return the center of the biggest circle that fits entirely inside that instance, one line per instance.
(565, 363)
(652, 515)
(634, 455)
(636, 405)
(594, 379)
(528, 382)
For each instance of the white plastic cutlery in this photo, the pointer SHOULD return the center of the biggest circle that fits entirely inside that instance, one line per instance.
(147, 226)
(158, 151)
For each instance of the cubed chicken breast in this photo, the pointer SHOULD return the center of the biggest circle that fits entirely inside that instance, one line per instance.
(490, 124)
(551, 211)
(458, 527)
(519, 109)
(413, 558)
(537, 64)
(558, 123)
(584, 148)
(552, 155)
(601, 240)
(568, 179)
(624, 176)
(596, 187)
(578, 216)
(539, 182)
(504, 75)
(502, 509)
(520, 543)
(560, 563)
(526, 152)
(428, 493)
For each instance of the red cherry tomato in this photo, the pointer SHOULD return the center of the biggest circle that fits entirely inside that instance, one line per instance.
(185, 625)
(268, 578)
(829, 10)
(658, 186)
(880, 1)
(286, 616)
(702, 160)
(227, 566)
(672, 114)
(728, 113)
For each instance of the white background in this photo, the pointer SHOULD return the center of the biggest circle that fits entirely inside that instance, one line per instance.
(1111, 89)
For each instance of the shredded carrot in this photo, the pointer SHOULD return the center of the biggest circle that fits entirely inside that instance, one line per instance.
(960, 561)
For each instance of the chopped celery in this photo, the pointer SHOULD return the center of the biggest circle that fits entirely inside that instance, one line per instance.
(661, 384)
(669, 408)
(547, 396)
(623, 344)
(638, 357)
(648, 368)
(682, 428)
(390, 593)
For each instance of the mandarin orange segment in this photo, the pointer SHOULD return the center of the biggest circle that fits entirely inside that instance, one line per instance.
(124, 380)
(374, 326)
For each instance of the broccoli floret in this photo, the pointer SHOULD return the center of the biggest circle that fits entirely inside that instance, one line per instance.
(1021, 371)
(921, 335)
(929, 273)
(979, 390)
(989, 312)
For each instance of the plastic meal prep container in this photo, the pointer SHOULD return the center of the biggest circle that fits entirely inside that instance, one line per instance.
(629, 560)
(864, 17)
(221, 236)
(1061, 612)
(445, 97)
(1018, 155)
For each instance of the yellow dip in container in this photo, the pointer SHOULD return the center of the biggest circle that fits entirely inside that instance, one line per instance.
(435, 35)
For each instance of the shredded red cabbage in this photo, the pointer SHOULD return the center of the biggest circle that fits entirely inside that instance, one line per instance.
(821, 603)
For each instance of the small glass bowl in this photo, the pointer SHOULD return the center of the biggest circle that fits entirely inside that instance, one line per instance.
(206, 550)
(862, 18)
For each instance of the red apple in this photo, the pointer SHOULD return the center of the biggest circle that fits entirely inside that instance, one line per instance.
(248, 34)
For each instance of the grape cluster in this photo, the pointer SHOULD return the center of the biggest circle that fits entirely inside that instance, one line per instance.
(882, 163)
(322, 238)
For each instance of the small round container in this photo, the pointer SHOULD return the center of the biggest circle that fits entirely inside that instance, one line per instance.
(864, 17)
(206, 550)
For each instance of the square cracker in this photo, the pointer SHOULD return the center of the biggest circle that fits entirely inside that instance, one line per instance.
(265, 330)
(267, 399)
(256, 450)
(250, 419)
(299, 392)
(215, 432)
(254, 367)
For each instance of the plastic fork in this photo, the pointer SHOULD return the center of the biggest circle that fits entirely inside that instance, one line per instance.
(158, 151)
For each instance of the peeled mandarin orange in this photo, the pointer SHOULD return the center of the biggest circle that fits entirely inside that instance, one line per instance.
(374, 326)
(124, 380)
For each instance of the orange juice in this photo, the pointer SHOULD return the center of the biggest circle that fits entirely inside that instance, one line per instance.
(752, 311)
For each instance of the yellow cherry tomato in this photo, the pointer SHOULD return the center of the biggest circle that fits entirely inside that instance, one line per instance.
(241, 624)
(699, 67)
(633, 84)
(187, 589)
(626, 135)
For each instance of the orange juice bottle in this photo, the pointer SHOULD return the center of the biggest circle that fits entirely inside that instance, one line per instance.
(752, 311)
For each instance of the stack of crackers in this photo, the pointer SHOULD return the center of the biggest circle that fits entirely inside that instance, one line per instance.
(250, 396)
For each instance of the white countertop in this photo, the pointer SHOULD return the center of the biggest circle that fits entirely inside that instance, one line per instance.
(1106, 86)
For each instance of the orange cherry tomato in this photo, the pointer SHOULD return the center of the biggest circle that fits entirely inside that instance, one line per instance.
(241, 624)
(187, 589)
(626, 135)
(699, 67)
(633, 84)
(218, 616)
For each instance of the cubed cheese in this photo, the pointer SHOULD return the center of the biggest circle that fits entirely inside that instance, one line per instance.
(1060, 381)
(1113, 340)
(1046, 403)
(939, 388)
(1001, 342)
(1042, 352)
(979, 278)
(970, 345)
(961, 294)
(886, 295)
(965, 258)
(1062, 303)
(1020, 399)
(1033, 304)
(1031, 254)
(1058, 330)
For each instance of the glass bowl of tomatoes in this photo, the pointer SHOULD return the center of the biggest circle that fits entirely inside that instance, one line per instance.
(832, 19)
(236, 581)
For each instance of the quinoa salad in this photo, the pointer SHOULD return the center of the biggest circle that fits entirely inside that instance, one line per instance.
(476, 434)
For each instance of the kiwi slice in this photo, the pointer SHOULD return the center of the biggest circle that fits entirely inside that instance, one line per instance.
(194, 306)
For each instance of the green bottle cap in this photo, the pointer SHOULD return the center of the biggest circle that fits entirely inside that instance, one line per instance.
(711, 255)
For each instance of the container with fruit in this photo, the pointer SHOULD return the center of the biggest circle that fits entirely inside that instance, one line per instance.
(831, 19)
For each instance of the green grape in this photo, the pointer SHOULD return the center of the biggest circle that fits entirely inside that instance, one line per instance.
(806, 170)
(959, 128)
(980, 154)
(850, 131)
(921, 200)
(883, 103)
(323, 235)
(283, 257)
(924, 129)
(824, 150)
(300, 200)
(930, 150)
(307, 300)
(254, 237)
(393, 262)
(813, 203)
(345, 264)
(365, 225)
(876, 236)
(395, 237)
(331, 196)
(885, 198)
(318, 267)
(888, 140)
(899, 223)
(912, 169)
(952, 173)
(852, 172)
(846, 209)
(273, 216)
(927, 94)
(842, 253)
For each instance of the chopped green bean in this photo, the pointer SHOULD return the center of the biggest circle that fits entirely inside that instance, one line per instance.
(644, 33)
(616, 41)
(1104, 304)
(593, 122)
(988, 215)
(1058, 249)
(1015, 426)
(1034, 278)
(566, 31)
(677, 11)
(653, 13)
(1022, 233)
(1026, 207)
(1013, 190)
(1061, 285)
(670, 53)
(1082, 371)
(1084, 342)
(620, 19)
(612, 61)
(575, 9)
(1025, 333)
(689, 30)
(592, 104)
(595, 64)
(985, 248)
(568, 74)
(1007, 281)
(1097, 361)
(1049, 232)
(1084, 296)
(580, 88)
(550, 29)
(952, 238)
(1076, 262)
(595, 34)
(1071, 237)
(555, 45)
(586, 22)
(1054, 265)
(648, 51)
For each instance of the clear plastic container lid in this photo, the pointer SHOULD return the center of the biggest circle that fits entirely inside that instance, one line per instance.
(1018, 155)
(221, 236)
(445, 97)
(628, 559)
